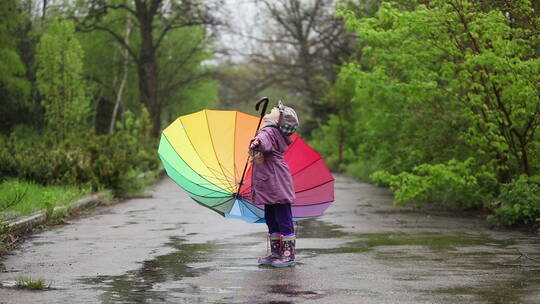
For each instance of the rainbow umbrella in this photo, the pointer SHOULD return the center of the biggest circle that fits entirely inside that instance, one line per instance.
(205, 153)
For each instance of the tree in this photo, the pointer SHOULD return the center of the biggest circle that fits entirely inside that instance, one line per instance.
(14, 87)
(154, 21)
(59, 79)
(297, 48)
(125, 71)
(301, 43)
(450, 78)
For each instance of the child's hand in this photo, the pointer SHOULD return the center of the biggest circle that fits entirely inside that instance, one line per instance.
(254, 143)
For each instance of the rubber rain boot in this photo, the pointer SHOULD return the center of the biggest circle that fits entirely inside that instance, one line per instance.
(275, 245)
(288, 243)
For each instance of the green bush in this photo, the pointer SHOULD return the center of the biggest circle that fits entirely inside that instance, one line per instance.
(453, 184)
(420, 95)
(362, 169)
(102, 161)
(325, 141)
(42, 162)
(117, 159)
(518, 203)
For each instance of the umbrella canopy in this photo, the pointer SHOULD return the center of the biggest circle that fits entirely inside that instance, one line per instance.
(205, 153)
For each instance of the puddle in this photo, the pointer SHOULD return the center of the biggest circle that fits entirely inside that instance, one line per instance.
(137, 286)
(265, 302)
(293, 290)
(352, 247)
(503, 291)
(140, 210)
(39, 243)
(315, 228)
(435, 241)
(169, 229)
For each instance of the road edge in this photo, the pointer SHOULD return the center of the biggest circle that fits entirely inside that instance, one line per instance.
(20, 227)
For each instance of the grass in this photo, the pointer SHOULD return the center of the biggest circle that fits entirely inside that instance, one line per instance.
(20, 198)
(27, 283)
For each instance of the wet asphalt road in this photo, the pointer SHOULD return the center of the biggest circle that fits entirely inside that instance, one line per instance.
(168, 249)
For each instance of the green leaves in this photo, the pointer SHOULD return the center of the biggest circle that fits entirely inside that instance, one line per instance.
(445, 102)
(454, 184)
(518, 203)
(14, 87)
(59, 79)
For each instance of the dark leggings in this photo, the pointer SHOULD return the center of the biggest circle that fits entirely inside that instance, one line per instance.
(279, 218)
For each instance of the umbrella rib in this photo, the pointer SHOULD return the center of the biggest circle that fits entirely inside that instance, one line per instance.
(234, 150)
(230, 176)
(225, 182)
(290, 146)
(220, 213)
(205, 195)
(217, 178)
(201, 175)
(307, 206)
(316, 186)
(231, 186)
(198, 184)
(223, 202)
(197, 152)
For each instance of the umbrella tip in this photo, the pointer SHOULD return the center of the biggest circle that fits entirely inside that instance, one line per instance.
(237, 195)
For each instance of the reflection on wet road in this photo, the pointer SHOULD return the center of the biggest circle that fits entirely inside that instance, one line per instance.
(167, 249)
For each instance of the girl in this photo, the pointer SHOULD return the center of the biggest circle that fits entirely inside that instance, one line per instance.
(272, 183)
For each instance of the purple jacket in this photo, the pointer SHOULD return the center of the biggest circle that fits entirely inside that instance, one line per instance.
(271, 180)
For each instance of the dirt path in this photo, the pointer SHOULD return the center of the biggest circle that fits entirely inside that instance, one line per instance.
(167, 249)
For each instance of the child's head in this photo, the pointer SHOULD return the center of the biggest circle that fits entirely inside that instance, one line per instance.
(288, 120)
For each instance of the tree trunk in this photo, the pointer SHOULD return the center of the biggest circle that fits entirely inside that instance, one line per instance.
(148, 90)
(125, 65)
(148, 73)
(341, 144)
(44, 10)
(524, 159)
(504, 175)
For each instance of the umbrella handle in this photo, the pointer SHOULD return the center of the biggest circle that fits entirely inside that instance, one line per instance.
(257, 106)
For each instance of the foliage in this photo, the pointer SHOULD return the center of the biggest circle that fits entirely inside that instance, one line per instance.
(52, 75)
(518, 203)
(160, 66)
(14, 87)
(469, 69)
(185, 82)
(335, 137)
(454, 184)
(444, 103)
(59, 59)
(323, 142)
(97, 160)
(105, 63)
(117, 159)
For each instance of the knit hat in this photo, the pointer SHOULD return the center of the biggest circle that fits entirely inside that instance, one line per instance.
(288, 121)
